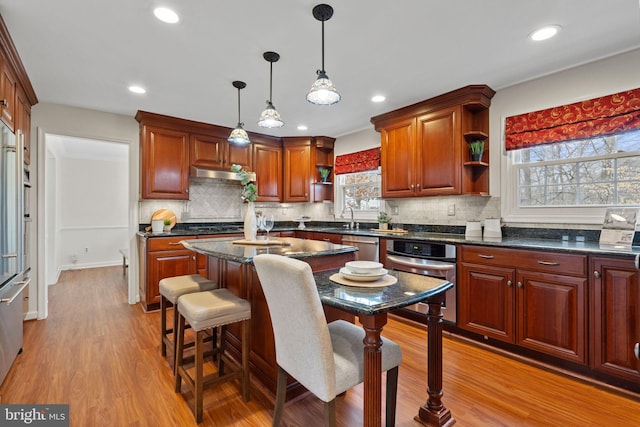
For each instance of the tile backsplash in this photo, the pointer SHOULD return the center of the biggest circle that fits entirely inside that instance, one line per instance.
(213, 201)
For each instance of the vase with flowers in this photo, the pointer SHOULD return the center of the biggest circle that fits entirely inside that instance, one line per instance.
(249, 195)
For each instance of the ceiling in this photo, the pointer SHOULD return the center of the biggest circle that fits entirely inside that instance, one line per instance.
(86, 53)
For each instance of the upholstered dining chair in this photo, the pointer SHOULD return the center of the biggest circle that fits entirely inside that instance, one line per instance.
(327, 359)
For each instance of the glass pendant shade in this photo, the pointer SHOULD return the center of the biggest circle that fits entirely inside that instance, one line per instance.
(270, 118)
(239, 135)
(323, 92)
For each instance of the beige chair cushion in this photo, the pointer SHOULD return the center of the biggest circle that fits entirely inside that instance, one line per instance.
(213, 308)
(173, 287)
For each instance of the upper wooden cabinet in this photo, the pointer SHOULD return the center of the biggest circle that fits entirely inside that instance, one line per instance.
(164, 155)
(7, 93)
(297, 169)
(213, 151)
(424, 150)
(267, 160)
(303, 156)
(16, 92)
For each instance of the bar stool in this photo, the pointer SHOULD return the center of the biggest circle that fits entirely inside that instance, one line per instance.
(171, 288)
(204, 310)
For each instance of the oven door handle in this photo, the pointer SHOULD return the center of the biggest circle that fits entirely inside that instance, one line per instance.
(402, 261)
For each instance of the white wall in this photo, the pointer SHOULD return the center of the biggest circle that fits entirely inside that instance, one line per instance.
(78, 122)
(92, 211)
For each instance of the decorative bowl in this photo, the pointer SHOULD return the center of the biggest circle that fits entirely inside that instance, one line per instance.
(364, 267)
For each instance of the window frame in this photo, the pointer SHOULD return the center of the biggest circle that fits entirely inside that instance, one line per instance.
(512, 212)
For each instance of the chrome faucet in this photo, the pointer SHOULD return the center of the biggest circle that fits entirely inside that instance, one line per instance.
(351, 224)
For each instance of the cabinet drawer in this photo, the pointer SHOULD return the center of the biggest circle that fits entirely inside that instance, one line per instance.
(166, 243)
(548, 262)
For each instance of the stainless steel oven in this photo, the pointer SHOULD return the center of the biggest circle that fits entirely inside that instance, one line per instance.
(430, 259)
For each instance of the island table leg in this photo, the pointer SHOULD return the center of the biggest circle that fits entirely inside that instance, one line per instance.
(372, 368)
(433, 412)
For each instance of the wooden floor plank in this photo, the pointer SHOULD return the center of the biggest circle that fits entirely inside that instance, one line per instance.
(102, 356)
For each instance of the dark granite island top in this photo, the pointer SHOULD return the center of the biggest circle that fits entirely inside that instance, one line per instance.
(244, 253)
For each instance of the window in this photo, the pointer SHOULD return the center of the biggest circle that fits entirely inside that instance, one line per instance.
(597, 172)
(360, 191)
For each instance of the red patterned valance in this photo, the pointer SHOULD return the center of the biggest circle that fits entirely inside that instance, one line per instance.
(595, 117)
(359, 161)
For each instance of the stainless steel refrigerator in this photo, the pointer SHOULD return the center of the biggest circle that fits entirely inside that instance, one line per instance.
(12, 266)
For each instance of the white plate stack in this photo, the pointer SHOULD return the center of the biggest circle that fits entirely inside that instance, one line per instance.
(363, 271)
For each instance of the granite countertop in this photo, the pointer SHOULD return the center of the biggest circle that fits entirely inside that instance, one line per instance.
(295, 248)
(517, 242)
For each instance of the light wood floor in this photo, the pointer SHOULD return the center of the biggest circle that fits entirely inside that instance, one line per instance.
(101, 356)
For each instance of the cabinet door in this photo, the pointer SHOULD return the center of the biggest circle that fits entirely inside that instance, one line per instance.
(7, 94)
(165, 164)
(268, 167)
(215, 152)
(207, 151)
(297, 172)
(328, 237)
(486, 301)
(438, 153)
(164, 264)
(397, 159)
(551, 314)
(615, 314)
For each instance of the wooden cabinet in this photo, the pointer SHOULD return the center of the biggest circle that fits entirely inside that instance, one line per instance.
(267, 159)
(213, 151)
(534, 299)
(322, 158)
(7, 93)
(615, 317)
(161, 257)
(328, 237)
(23, 123)
(423, 146)
(164, 169)
(303, 158)
(297, 169)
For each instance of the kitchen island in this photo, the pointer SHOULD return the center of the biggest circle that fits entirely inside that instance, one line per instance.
(231, 264)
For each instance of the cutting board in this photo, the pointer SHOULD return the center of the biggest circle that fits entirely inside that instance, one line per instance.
(394, 231)
(165, 214)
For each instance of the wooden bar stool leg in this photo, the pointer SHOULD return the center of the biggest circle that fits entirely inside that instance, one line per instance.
(199, 376)
(163, 325)
(178, 352)
(221, 347)
(245, 360)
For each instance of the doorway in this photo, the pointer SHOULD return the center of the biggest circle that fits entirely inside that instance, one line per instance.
(84, 208)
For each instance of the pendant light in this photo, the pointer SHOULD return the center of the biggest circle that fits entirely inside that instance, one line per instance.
(239, 135)
(323, 92)
(270, 118)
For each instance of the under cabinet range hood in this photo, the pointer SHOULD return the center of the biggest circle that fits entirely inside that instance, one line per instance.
(220, 175)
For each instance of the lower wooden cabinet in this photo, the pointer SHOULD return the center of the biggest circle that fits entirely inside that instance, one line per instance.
(541, 305)
(161, 257)
(615, 317)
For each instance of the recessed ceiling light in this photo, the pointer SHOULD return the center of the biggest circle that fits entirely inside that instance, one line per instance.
(378, 98)
(166, 15)
(302, 127)
(544, 33)
(137, 89)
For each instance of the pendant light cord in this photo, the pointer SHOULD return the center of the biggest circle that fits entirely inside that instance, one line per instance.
(270, 81)
(238, 106)
(323, 46)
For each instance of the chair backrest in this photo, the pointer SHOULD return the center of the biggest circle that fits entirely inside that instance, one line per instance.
(303, 343)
